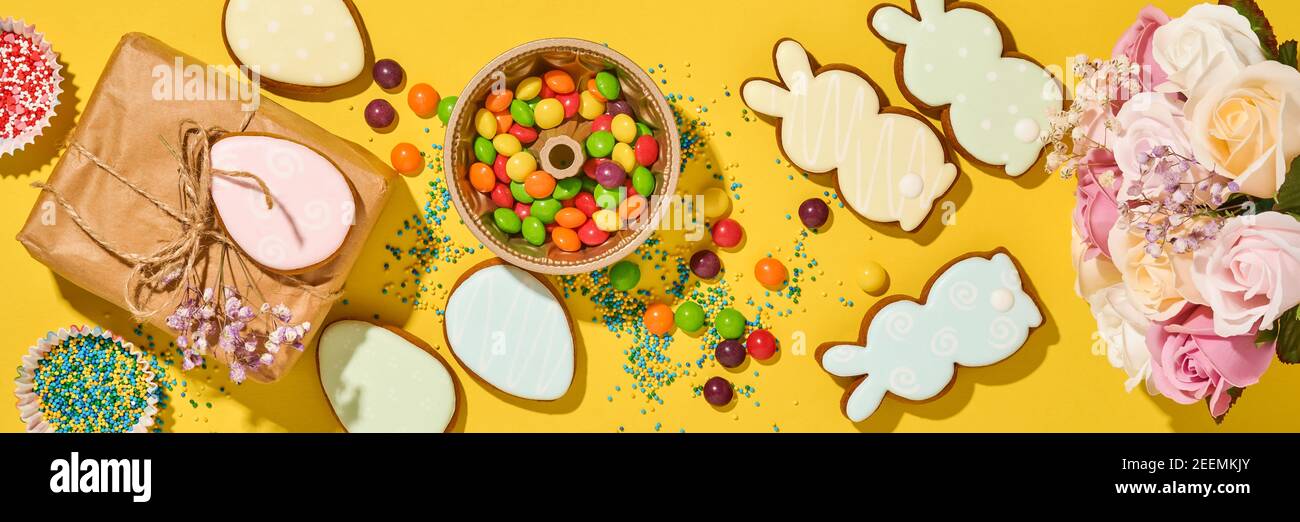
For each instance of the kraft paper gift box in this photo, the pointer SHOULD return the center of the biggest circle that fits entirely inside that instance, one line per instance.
(125, 126)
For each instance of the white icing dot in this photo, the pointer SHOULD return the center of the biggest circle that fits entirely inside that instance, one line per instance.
(962, 52)
(329, 36)
(1013, 109)
(1027, 130)
(961, 98)
(308, 9)
(991, 76)
(910, 186)
(929, 67)
(986, 124)
(1002, 300)
(273, 26)
(302, 54)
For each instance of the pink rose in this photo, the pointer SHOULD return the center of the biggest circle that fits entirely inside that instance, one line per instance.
(1137, 44)
(1096, 211)
(1189, 362)
(1250, 274)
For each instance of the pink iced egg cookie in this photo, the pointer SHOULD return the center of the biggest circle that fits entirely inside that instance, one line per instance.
(313, 205)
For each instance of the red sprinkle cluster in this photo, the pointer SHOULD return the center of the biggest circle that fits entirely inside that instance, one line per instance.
(26, 84)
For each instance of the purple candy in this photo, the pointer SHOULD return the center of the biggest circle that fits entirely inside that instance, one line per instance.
(380, 114)
(388, 74)
(729, 353)
(705, 264)
(610, 174)
(717, 391)
(617, 107)
(813, 212)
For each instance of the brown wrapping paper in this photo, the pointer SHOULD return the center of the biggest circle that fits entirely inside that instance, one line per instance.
(122, 125)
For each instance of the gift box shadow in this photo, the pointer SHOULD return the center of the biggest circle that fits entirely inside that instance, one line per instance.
(46, 148)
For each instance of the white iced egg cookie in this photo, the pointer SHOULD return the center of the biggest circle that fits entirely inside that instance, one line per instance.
(297, 43)
(312, 205)
(379, 382)
(506, 326)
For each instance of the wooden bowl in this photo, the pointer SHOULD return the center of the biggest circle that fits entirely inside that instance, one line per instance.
(582, 59)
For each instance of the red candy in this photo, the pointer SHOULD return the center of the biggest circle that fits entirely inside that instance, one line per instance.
(727, 233)
(586, 202)
(526, 135)
(602, 123)
(522, 210)
(501, 196)
(761, 344)
(571, 102)
(590, 235)
(647, 150)
(499, 168)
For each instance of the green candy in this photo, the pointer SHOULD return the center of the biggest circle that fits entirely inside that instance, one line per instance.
(506, 220)
(521, 195)
(624, 275)
(484, 151)
(689, 316)
(522, 113)
(608, 198)
(445, 107)
(600, 144)
(607, 85)
(643, 181)
(589, 184)
(534, 230)
(729, 323)
(567, 188)
(545, 210)
(643, 130)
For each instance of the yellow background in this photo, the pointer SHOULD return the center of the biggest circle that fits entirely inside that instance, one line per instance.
(1055, 383)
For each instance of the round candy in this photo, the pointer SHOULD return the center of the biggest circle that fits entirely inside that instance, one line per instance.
(717, 391)
(727, 233)
(589, 106)
(570, 218)
(533, 230)
(571, 102)
(624, 275)
(623, 156)
(729, 353)
(567, 188)
(406, 160)
(607, 85)
(705, 264)
(539, 184)
(565, 239)
(423, 100)
(481, 177)
(484, 151)
(761, 344)
(445, 106)
(388, 74)
(498, 101)
(559, 81)
(520, 166)
(643, 181)
(689, 316)
(770, 272)
(380, 114)
(529, 88)
(507, 220)
(522, 113)
(606, 219)
(600, 144)
(647, 150)
(873, 277)
(658, 319)
(507, 144)
(592, 235)
(519, 193)
(501, 196)
(814, 212)
(549, 113)
(729, 323)
(545, 209)
(610, 175)
(624, 128)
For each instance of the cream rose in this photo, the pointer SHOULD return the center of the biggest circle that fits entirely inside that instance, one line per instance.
(1248, 126)
(1208, 44)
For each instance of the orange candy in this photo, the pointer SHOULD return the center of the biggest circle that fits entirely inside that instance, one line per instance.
(482, 178)
(658, 319)
(498, 101)
(770, 272)
(423, 100)
(406, 159)
(559, 81)
(570, 217)
(539, 184)
(591, 88)
(565, 239)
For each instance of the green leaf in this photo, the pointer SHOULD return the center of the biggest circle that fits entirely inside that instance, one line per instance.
(1258, 23)
(1288, 197)
(1287, 54)
(1288, 337)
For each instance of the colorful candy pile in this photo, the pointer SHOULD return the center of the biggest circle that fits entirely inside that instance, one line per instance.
(90, 383)
(27, 84)
(575, 209)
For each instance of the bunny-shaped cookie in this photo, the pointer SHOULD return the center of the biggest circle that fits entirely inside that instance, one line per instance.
(974, 313)
(890, 166)
(998, 104)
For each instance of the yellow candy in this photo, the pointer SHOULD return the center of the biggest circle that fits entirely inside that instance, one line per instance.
(873, 277)
(606, 219)
(624, 156)
(589, 107)
(549, 113)
(716, 202)
(507, 144)
(486, 123)
(528, 88)
(624, 128)
(520, 166)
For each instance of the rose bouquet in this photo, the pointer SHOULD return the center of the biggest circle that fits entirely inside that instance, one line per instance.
(1185, 146)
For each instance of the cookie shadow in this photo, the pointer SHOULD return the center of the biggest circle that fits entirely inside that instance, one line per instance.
(53, 139)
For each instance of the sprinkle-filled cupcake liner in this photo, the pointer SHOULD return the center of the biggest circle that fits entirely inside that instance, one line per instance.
(15, 33)
(40, 417)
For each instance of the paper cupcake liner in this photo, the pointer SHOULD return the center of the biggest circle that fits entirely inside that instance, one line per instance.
(29, 407)
(17, 143)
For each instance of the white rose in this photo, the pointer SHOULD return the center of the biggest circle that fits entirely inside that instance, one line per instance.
(1123, 328)
(1208, 44)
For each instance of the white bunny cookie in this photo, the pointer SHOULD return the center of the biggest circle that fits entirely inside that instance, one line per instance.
(890, 165)
(998, 105)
